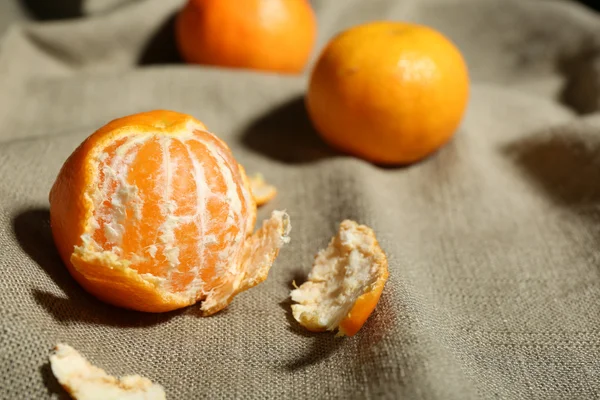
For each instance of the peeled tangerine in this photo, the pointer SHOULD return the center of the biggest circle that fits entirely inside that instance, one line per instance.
(153, 213)
(345, 283)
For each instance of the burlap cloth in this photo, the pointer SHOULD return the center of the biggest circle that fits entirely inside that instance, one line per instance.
(493, 244)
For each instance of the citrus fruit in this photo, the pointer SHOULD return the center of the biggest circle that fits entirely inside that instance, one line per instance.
(345, 283)
(153, 213)
(270, 35)
(388, 92)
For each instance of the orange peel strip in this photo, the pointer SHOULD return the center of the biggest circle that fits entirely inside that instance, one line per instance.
(83, 381)
(345, 283)
(261, 190)
(260, 251)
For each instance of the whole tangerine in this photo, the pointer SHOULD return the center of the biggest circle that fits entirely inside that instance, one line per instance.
(153, 213)
(269, 35)
(388, 92)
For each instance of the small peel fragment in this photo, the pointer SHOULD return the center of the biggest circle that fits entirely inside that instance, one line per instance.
(259, 254)
(345, 282)
(261, 190)
(83, 381)
(262, 248)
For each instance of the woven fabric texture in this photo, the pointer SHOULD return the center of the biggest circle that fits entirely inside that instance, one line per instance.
(493, 243)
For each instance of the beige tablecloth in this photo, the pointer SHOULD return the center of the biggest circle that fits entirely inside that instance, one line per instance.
(493, 243)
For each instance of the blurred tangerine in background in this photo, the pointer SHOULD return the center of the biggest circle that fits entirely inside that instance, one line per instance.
(388, 92)
(269, 35)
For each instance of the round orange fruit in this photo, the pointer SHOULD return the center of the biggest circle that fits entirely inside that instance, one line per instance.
(388, 92)
(153, 213)
(270, 35)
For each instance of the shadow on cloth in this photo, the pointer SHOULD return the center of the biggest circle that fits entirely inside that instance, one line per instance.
(51, 383)
(45, 10)
(326, 344)
(162, 46)
(32, 229)
(565, 166)
(581, 70)
(286, 134)
(322, 348)
(591, 3)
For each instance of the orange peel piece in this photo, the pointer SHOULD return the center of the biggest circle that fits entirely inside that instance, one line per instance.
(259, 254)
(345, 283)
(84, 381)
(261, 190)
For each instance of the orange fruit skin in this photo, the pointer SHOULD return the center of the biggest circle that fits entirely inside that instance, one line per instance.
(363, 308)
(388, 92)
(269, 35)
(71, 209)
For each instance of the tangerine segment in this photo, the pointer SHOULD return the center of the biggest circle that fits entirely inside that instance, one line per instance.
(153, 213)
(345, 282)
(83, 381)
(261, 190)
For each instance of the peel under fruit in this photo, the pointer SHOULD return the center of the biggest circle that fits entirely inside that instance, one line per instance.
(345, 283)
